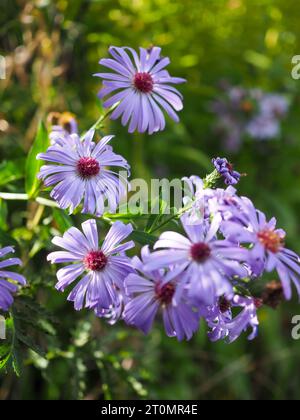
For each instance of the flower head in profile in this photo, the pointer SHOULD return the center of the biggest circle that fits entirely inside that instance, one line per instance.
(205, 263)
(268, 251)
(80, 171)
(224, 325)
(226, 170)
(101, 268)
(142, 87)
(150, 292)
(9, 280)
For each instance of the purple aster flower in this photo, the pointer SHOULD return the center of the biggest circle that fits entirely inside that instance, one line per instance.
(223, 325)
(8, 279)
(115, 312)
(64, 122)
(205, 263)
(263, 127)
(150, 292)
(103, 268)
(274, 105)
(223, 202)
(268, 251)
(142, 86)
(225, 169)
(195, 200)
(81, 172)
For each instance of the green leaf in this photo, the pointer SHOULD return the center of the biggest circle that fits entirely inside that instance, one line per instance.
(192, 155)
(62, 219)
(11, 171)
(32, 164)
(3, 214)
(6, 239)
(143, 238)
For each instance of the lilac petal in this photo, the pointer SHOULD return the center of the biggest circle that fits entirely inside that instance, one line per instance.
(114, 65)
(10, 262)
(90, 230)
(153, 58)
(169, 96)
(6, 250)
(168, 323)
(68, 275)
(117, 97)
(117, 233)
(62, 256)
(111, 76)
(137, 284)
(166, 107)
(78, 293)
(160, 65)
(162, 259)
(120, 55)
(141, 312)
(172, 240)
(13, 276)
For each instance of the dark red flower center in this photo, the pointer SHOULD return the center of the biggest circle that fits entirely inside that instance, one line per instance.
(224, 304)
(271, 240)
(95, 261)
(258, 303)
(200, 252)
(143, 82)
(87, 167)
(165, 293)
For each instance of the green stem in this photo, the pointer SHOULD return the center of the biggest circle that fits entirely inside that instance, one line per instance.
(25, 197)
(208, 182)
(102, 118)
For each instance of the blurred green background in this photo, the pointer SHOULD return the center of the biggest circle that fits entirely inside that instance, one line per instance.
(52, 49)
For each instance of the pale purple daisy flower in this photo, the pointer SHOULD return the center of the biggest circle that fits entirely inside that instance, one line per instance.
(206, 263)
(226, 170)
(8, 279)
(223, 201)
(142, 86)
(263, 127)
(274, 105)
(224, 325)
(195, 199)
(114, 313)
(151, 292)
(268, 251)
(81, 172)
(103, 268)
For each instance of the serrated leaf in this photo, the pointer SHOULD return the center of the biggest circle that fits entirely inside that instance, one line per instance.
(32, 164)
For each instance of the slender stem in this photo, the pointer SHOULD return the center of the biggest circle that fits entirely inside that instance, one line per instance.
(208, 182)
(14, 196)
(102, 118)
(25, 197)
(173, 217)
(46, 202)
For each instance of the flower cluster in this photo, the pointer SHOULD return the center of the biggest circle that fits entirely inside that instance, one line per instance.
(188, 276)
(204, 271)
(250, 113)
